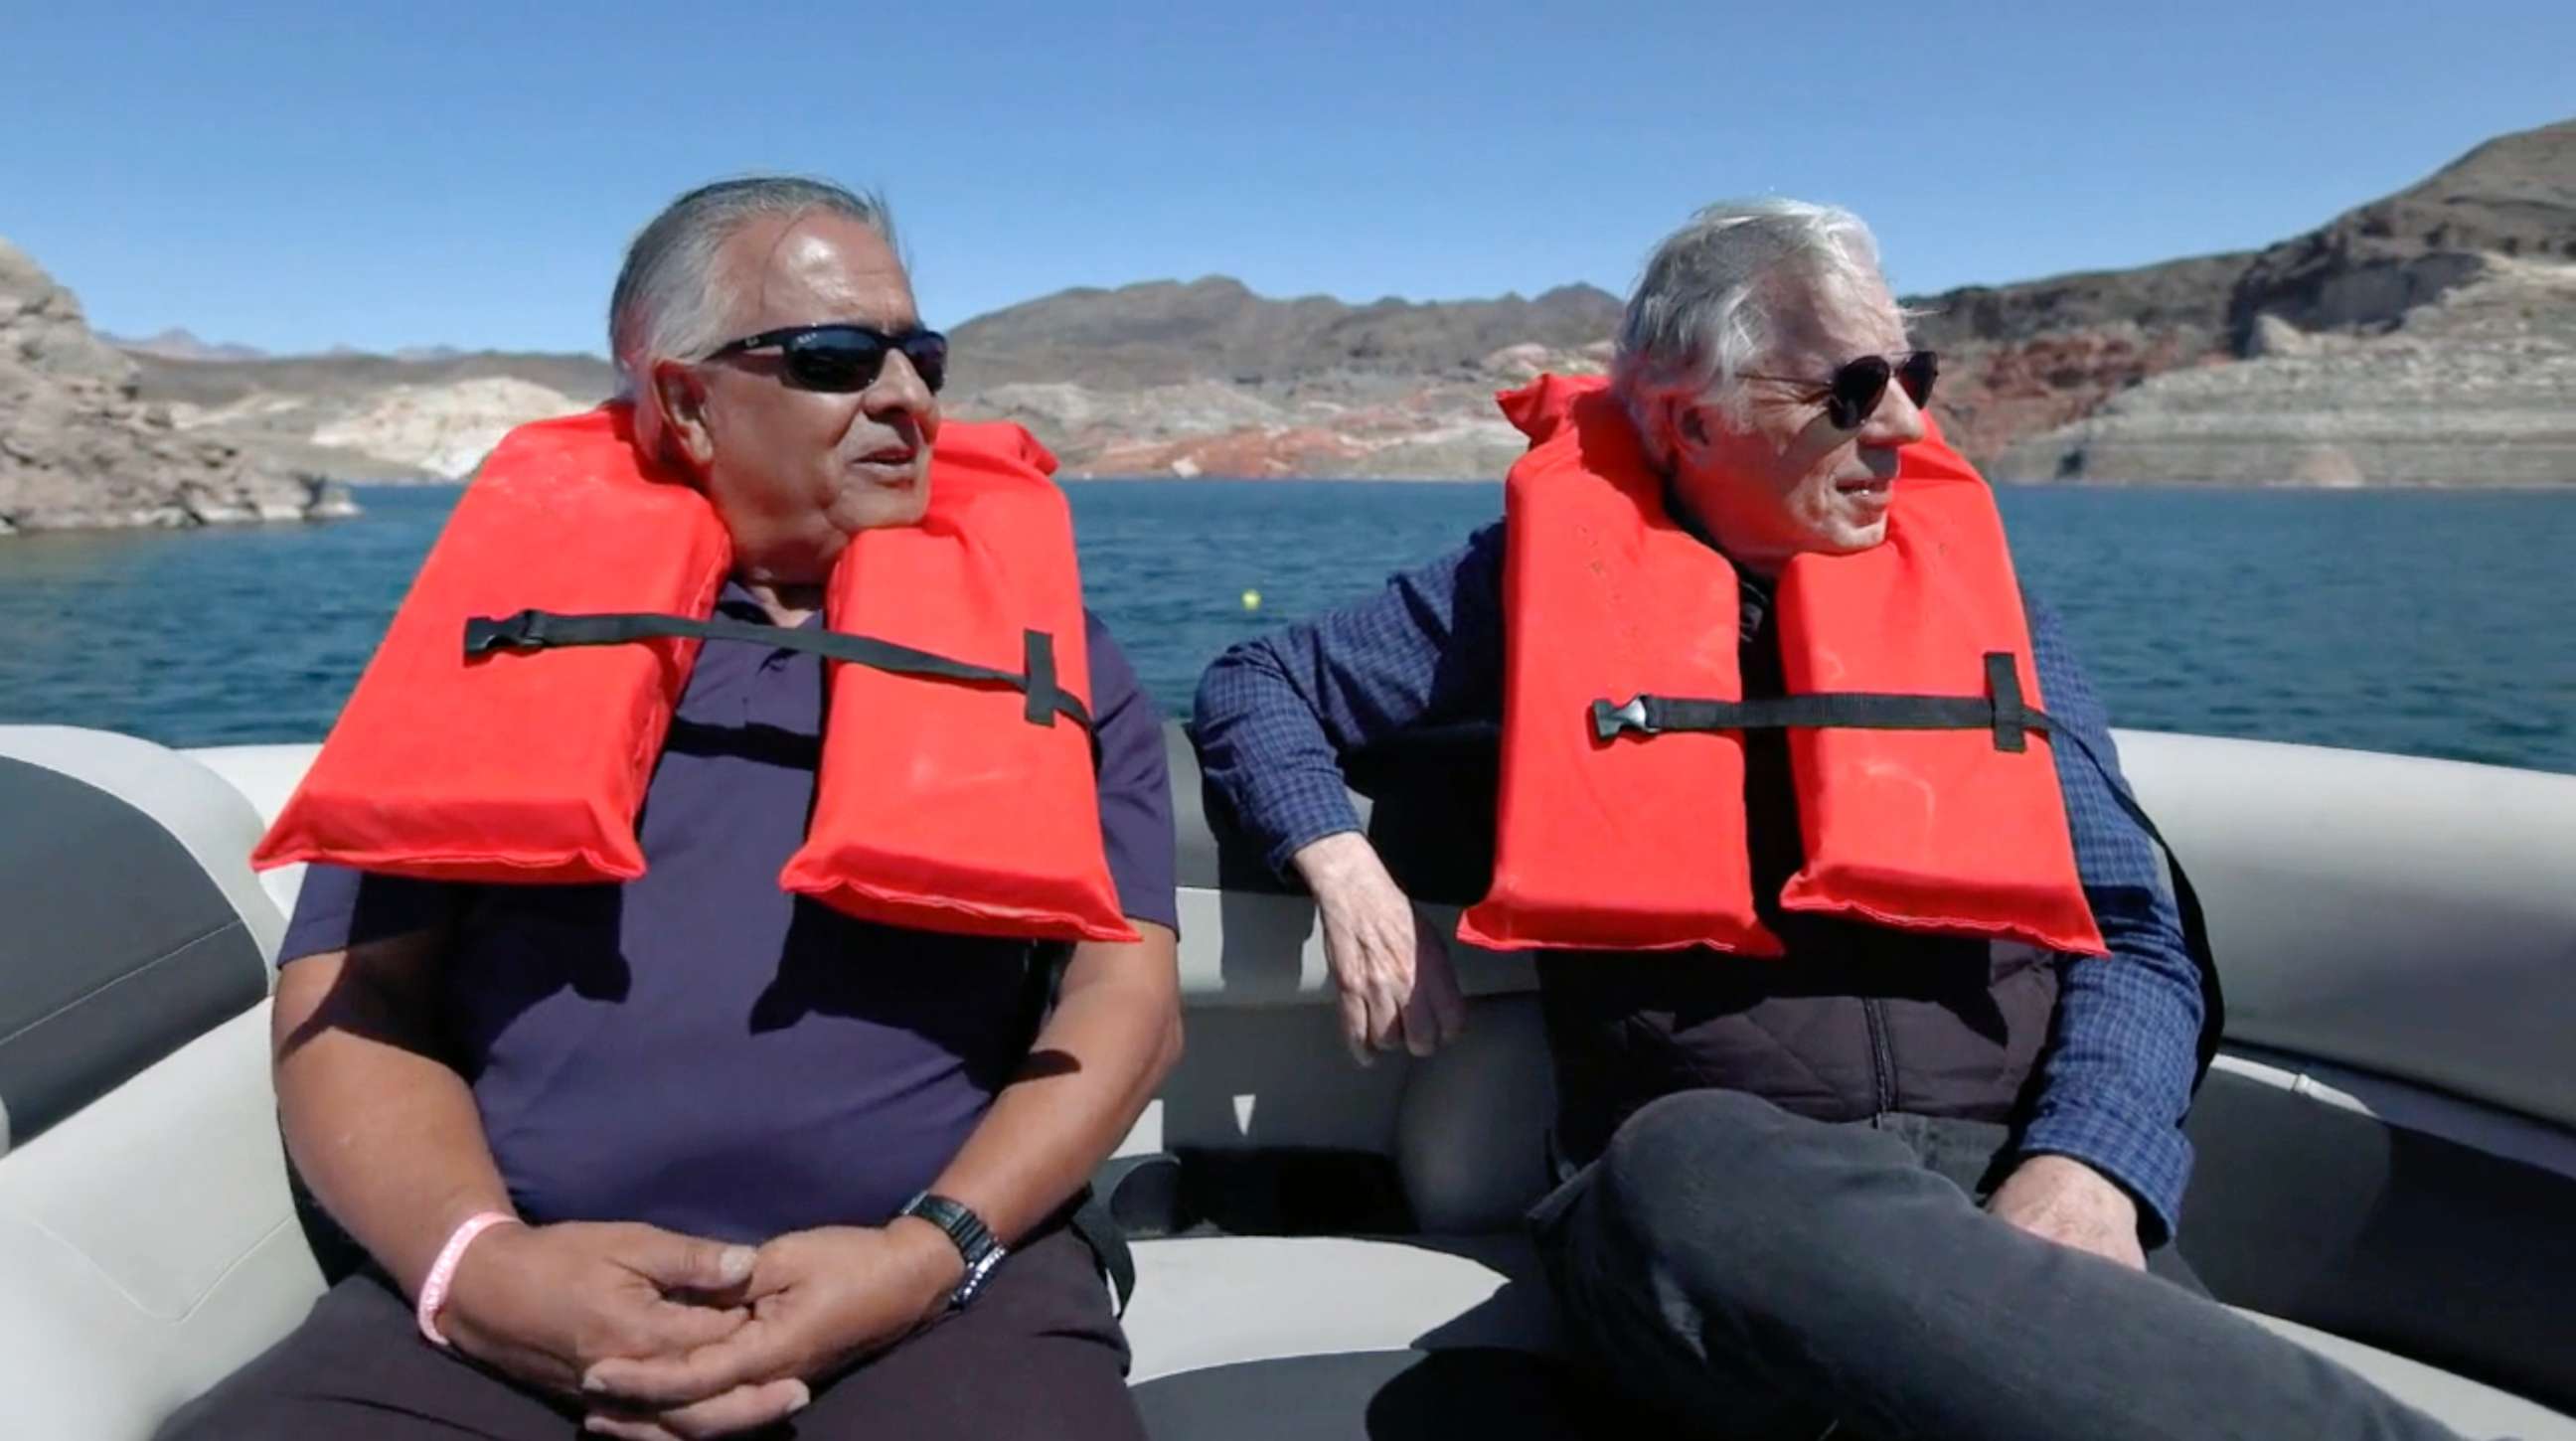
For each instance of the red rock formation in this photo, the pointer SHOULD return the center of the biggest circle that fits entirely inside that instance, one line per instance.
(1992, 395)
(1251, 453)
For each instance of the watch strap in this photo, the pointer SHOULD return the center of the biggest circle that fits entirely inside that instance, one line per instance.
(965, 1230)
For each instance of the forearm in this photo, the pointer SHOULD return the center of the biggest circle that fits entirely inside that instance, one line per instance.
(2115, 1081)
(2116, 1078)
(383, 1131)
(1264, 745)
(1114, 1034)
(1275, 716)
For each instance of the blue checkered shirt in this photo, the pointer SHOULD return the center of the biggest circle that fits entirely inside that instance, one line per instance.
(1274, 714)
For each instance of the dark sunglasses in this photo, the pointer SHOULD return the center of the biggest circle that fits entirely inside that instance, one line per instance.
(844, 358)
(1851, 397)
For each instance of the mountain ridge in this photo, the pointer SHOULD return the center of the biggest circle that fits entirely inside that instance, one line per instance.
(80, 449)
(2424, 337)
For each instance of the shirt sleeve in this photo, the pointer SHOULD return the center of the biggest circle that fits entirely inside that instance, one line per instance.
(1274, 714)
(2116, 1078)
(1135, 785)
(337, 908)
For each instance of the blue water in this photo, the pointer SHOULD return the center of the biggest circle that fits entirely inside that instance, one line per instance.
(2428, 623)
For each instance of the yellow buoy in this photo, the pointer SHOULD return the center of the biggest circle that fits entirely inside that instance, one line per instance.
(1252, 600)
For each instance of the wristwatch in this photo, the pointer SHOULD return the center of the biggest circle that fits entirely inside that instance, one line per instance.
(968, 1233)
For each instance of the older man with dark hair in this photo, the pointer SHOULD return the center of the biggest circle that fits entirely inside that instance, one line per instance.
(1873, 1018)
(681, 1154)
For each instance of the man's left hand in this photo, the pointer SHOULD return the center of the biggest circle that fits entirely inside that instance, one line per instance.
(819, 1300)
(2061, 1199)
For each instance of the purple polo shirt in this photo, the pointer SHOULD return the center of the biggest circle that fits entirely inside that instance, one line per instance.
(700, 1050)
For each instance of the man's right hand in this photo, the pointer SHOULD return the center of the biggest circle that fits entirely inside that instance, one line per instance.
(544, 1304)
(1394, 974)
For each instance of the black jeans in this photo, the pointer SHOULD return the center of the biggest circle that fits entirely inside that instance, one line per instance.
(1755, 1275)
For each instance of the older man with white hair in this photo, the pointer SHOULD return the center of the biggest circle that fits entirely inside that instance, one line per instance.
(737, 1129)
(1873, 1019)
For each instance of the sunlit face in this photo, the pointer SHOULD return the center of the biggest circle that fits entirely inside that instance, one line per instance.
(796, 472)
(1781, 478)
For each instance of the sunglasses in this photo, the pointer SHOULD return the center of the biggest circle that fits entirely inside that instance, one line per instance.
(843, 358)
(1851, 397)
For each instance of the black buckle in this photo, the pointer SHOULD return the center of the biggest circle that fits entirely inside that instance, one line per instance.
(1609, 721)
(524, 631)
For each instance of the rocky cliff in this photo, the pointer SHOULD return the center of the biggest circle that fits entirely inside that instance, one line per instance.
(2425, 338)
(1350, 421)
(2477, 387)
(1216, 329)
(1204, 378)
(80, 448)
(424, 415)
(1209, 379)
(2419, 339)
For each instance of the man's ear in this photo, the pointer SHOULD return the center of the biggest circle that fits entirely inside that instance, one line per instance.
(680, 399)
(1680, 429)
(1691, 424)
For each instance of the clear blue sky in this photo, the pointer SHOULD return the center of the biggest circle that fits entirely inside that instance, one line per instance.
(304, 172)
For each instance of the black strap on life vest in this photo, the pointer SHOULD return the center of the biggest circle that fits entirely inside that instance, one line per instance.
(539, 630)
(2001, 710)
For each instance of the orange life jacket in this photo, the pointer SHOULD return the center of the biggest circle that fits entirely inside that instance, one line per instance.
(508, 725)
(1622, 819)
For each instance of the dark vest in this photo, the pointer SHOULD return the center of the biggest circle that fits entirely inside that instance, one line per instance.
(1854, 1021)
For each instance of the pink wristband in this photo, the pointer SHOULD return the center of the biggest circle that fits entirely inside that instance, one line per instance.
(442, 1272)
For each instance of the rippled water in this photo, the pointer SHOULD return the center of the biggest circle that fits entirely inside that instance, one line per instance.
(2429, 623)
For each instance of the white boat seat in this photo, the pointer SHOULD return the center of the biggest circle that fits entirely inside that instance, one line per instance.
(148, 1244)
(149, 1248)
(1329, 1338)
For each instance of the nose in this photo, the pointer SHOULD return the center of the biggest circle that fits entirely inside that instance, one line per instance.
(898, 390)
(1897, 421)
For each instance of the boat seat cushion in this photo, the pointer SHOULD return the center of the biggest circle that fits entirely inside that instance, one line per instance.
(129, 930)
(1326, 1337)
(147, 1246)
(147, 1242)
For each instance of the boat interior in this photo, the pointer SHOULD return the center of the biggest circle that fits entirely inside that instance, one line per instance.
(2387, 1143)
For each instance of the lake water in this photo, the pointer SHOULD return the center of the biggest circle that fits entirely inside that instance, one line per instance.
(2427, 623)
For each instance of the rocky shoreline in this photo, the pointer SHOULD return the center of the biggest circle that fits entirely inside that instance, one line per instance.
(315, 499)
(2475, 390)
(79, 449)
(2427, 339)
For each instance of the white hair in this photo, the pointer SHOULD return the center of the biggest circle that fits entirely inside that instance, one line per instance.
(669, 302)
(1706, 309)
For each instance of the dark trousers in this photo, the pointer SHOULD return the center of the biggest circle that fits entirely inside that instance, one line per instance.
(1754, 1274)
(1038, 1355)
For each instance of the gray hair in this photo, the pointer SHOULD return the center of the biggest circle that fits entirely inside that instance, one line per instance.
(1705, 310)
(668, 302)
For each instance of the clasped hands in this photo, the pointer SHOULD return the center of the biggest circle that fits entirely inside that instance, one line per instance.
(665, 1337)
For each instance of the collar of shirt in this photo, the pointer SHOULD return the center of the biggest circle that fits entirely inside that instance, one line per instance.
(736, 602)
